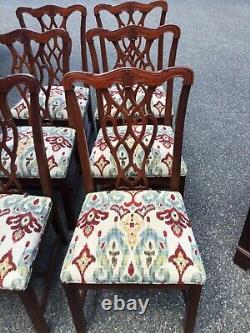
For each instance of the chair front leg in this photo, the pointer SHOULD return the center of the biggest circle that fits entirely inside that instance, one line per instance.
(76, 307)
(182, 185)
(192, 304)
(29, 300)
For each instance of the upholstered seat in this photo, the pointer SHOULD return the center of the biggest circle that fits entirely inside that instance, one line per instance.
(22, 222)
(133, 237)
(158, 100)
(159, 162)
(59, 142)
(56, 103)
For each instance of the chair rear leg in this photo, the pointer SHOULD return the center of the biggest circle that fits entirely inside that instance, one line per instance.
(58, 226)
(67, 203)
(29, 300)
(75, 305)
(192, 304)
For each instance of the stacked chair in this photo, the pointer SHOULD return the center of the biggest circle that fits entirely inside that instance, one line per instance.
(133, 230)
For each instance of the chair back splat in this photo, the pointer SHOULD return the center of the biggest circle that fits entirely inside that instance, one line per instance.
(130, 13)
(129, 139)
(43, 55)
(8, 130)
(53, 17)
(135, 46)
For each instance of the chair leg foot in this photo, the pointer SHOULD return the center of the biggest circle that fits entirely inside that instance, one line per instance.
(192, 304)
(29, 300)
(242, 258)
(75, 305)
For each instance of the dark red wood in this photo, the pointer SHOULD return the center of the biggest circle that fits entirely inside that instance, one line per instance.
(44, 55)
(133, 46)
(51, 12)
(11, 184)
(127, 79)
(242, 255)
(132, 9)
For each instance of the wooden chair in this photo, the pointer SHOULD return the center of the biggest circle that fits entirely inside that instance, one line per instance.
(52, 17)
(131, 237)
(136, 46)
(31, 52)
(24, 218)
(242, 255)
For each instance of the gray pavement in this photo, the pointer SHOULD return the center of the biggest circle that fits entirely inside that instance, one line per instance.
(215, 43)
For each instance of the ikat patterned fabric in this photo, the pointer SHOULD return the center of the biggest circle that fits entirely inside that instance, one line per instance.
(22, 223)
(133, 237)
(159, 162)
(59, 142)
(56, 104)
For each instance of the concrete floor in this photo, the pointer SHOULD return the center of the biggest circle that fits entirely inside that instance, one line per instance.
(215, 43)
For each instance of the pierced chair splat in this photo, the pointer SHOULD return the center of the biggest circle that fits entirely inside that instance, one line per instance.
(52, 17)
(136, 46)
(131, 236)
(31, 52)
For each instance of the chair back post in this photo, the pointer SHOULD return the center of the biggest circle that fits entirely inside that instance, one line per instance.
(32, 85)
(188, 78)
(75, 121)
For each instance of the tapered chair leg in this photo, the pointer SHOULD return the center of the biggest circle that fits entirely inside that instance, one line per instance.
(58, 226)
(68, 205)
(182, 185)
(192, 304)
(29, 300)
(75, 305)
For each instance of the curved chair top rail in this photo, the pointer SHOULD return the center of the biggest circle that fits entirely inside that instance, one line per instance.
(132, 175)
(10, 183)
(52, 11)
(133, 46)
(128, 76)
(131, 6)
(24, 35)
(133, 32)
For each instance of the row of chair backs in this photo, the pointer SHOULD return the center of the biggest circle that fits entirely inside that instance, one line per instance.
(9, 132)
(46, 55)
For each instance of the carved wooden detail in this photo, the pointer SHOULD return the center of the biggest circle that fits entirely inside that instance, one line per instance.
(44, 55)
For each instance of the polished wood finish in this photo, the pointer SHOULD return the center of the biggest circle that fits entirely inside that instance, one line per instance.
(11, 184)
(44, 55)
(133, 46)
(131, 7)
(136, 13)
(51, 13)
(242, 255)
(53, 17)
(127, 78)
